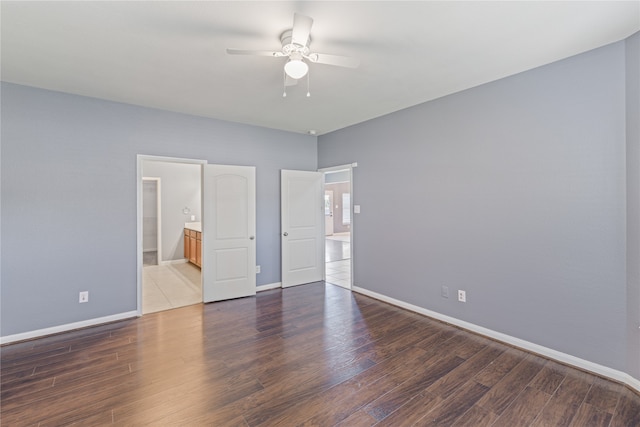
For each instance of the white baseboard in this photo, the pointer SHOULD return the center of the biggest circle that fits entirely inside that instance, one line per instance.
(99, 321)
(340, 286)
(268, 286)
(613, 374)
(632, 382)
(68, 327)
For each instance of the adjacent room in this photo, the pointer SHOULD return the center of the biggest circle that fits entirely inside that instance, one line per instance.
(337, 214)
(320, 213)
(171, 222)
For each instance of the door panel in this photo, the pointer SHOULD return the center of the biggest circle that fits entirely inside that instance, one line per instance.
(232, 207)
(228, 238)
(231, 264)
(302, 210)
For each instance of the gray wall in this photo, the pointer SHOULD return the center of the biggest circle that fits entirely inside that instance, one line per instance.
(180, 188)
(69, 197)
(513, 191)
(633, 204)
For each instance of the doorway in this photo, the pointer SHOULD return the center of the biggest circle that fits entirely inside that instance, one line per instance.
(338, 220)
(166, 280)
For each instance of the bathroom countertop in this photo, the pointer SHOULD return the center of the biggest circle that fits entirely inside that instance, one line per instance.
(195, 226)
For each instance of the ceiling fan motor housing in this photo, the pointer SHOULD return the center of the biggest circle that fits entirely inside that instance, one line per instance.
(288, 47)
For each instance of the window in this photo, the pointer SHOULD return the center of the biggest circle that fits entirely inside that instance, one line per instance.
(346, 208)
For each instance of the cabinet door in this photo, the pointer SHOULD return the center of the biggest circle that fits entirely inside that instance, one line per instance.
(198, 250)
(192, 249)
(186, 243)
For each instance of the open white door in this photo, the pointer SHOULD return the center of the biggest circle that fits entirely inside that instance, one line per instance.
(302, 216)
(229, 230)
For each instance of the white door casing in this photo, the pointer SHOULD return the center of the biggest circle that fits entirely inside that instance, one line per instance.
(229, 232)
(347, 168)
(302, 227)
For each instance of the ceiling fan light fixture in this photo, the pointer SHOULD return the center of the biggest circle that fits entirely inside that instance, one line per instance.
(296, 68)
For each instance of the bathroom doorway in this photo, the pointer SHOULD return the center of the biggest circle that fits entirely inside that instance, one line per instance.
(169, 198)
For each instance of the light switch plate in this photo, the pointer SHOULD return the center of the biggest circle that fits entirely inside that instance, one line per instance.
(83, 297)
(356, 208)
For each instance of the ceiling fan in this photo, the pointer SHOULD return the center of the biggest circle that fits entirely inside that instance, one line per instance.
(295, 47)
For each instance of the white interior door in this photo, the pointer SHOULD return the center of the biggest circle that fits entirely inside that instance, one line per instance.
(229, 230)
(328, 213)
(302, 228)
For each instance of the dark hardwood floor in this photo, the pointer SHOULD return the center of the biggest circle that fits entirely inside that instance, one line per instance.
(313, 355)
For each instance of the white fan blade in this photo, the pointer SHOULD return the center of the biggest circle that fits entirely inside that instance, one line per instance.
(301, 29)
(340, 61)
(290, 81)
(255, 52)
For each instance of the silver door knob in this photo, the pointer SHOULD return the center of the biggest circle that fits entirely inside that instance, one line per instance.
(252, 237)
(285, 234)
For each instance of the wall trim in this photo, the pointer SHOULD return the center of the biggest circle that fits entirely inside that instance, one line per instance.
(567, 359)
(67, 327)
(632, 382)
(275, 285)
(39, 333)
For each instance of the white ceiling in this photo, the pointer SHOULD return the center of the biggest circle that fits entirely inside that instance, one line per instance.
(171, 55)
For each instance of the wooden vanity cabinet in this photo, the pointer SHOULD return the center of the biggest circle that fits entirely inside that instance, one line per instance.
(193, 246)
(187, 248)
(198, 249)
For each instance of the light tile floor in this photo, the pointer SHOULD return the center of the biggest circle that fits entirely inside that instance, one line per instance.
(338, 267)
(170, 286)
(339, 273)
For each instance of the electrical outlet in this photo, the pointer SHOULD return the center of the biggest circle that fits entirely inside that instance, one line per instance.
(83, 297)
(257, 269)
(462, 296)
(444, 292)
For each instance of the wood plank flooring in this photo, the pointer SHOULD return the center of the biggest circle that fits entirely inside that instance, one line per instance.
(312, 355)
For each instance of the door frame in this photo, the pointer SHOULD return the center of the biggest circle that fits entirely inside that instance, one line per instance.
(158, 182)
(348, 167)
(140, 158)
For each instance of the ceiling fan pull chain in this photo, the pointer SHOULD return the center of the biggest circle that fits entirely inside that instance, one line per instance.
(308, 91)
